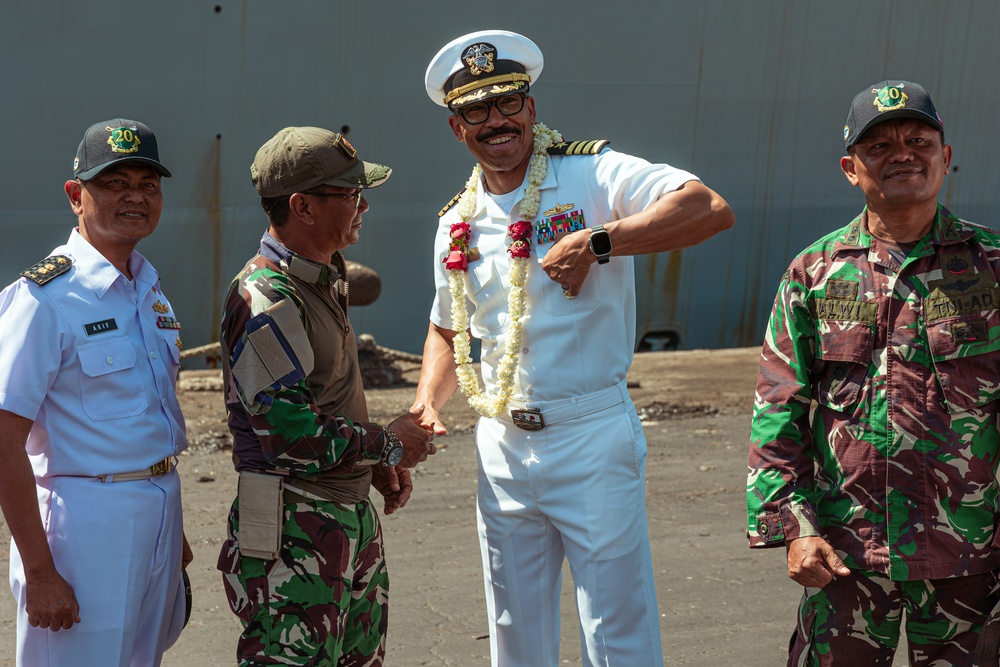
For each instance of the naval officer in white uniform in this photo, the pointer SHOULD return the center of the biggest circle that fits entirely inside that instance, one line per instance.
(534, 256)
(90, 424)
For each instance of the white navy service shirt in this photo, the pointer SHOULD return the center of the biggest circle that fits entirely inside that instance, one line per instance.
(569, 347)
(93, 361)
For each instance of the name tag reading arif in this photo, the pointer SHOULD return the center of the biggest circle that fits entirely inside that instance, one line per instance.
(100, 327)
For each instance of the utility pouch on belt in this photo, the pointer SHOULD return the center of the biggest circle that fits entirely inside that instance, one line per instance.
(261, 514)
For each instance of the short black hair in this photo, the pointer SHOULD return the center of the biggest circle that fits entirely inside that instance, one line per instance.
(277, 209)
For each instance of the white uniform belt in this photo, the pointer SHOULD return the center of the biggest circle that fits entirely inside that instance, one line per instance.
(565, 409)
(155, 470)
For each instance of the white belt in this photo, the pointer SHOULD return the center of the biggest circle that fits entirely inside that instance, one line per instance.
(533, 416)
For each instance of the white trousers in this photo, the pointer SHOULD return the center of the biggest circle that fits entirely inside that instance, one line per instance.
(119, 547)
(572, 490)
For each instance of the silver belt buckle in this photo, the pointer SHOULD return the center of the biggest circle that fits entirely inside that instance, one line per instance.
(529, 419)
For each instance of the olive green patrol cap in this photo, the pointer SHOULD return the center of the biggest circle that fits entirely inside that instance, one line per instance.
(297, 159)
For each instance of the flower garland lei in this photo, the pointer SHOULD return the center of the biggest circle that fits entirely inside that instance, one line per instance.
(519, 250)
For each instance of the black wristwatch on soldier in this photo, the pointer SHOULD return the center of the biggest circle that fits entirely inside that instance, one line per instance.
(600, 244)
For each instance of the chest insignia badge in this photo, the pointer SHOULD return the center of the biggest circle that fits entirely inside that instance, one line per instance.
(160, 307)
(557, 209)
(957, 266)
(164, 322)
(841, 289)
(551, 229)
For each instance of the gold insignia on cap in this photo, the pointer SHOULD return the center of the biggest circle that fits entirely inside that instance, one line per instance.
(889, 98)
(344, 145)
(557, 209)
(479, 58)
(123, 140)
(160, 307)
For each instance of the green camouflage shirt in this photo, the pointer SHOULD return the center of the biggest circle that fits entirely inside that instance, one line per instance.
(900, 366)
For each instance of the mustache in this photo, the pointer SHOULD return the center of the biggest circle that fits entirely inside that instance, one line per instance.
(895, 170)
(489, 133)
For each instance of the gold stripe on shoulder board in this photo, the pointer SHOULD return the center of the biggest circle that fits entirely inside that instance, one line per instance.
(454, 200)
(591, 147)
(47, 269)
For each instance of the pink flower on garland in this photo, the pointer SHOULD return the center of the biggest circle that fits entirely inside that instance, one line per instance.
(456, 261)
(520, 239)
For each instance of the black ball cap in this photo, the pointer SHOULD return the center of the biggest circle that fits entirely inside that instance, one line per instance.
(883, 101)
(112, 141)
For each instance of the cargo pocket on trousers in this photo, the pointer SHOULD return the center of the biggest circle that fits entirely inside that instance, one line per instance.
(233, 582)
(801, 645)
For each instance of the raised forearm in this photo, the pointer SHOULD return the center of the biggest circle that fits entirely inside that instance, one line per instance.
(685, 217)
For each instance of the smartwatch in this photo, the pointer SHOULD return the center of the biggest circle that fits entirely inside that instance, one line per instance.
(600, 244)
(392, 453)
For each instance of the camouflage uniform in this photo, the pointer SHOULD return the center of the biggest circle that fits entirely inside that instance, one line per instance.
(323, 601)
(898, 468)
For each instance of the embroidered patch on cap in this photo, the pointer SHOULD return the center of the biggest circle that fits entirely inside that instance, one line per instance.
(123, 140)
(889, 98)
(346, 148)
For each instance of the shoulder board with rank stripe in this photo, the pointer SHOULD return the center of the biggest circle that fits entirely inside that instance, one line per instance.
(454, 200)
(47, 269)
(592, 147)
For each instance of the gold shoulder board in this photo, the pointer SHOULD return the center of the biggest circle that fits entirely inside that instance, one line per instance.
(454, 200)
(592, 147)
(47, 269)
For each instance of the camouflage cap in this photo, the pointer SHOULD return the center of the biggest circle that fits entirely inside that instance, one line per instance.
(112, 141)
(884, 101)
(297, 159)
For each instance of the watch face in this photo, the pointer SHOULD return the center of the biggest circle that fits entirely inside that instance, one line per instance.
(600, 242)
(394, 455)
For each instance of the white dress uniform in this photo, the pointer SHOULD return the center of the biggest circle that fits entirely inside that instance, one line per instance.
(92, 359)
(575, 488)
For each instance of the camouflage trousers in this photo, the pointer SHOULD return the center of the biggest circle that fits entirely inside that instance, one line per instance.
(856, 620)
(323, 601)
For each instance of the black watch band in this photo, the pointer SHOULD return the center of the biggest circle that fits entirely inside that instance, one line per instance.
(600, 244)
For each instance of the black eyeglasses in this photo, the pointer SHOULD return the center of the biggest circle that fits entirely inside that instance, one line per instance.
(356, 196)
(477, 113)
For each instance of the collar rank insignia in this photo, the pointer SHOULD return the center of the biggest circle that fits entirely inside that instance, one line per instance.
(161, 307)
(123, 139)
(164, 322)
(479, 58)
(557, 209)
(889, 98)
(47, 269)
